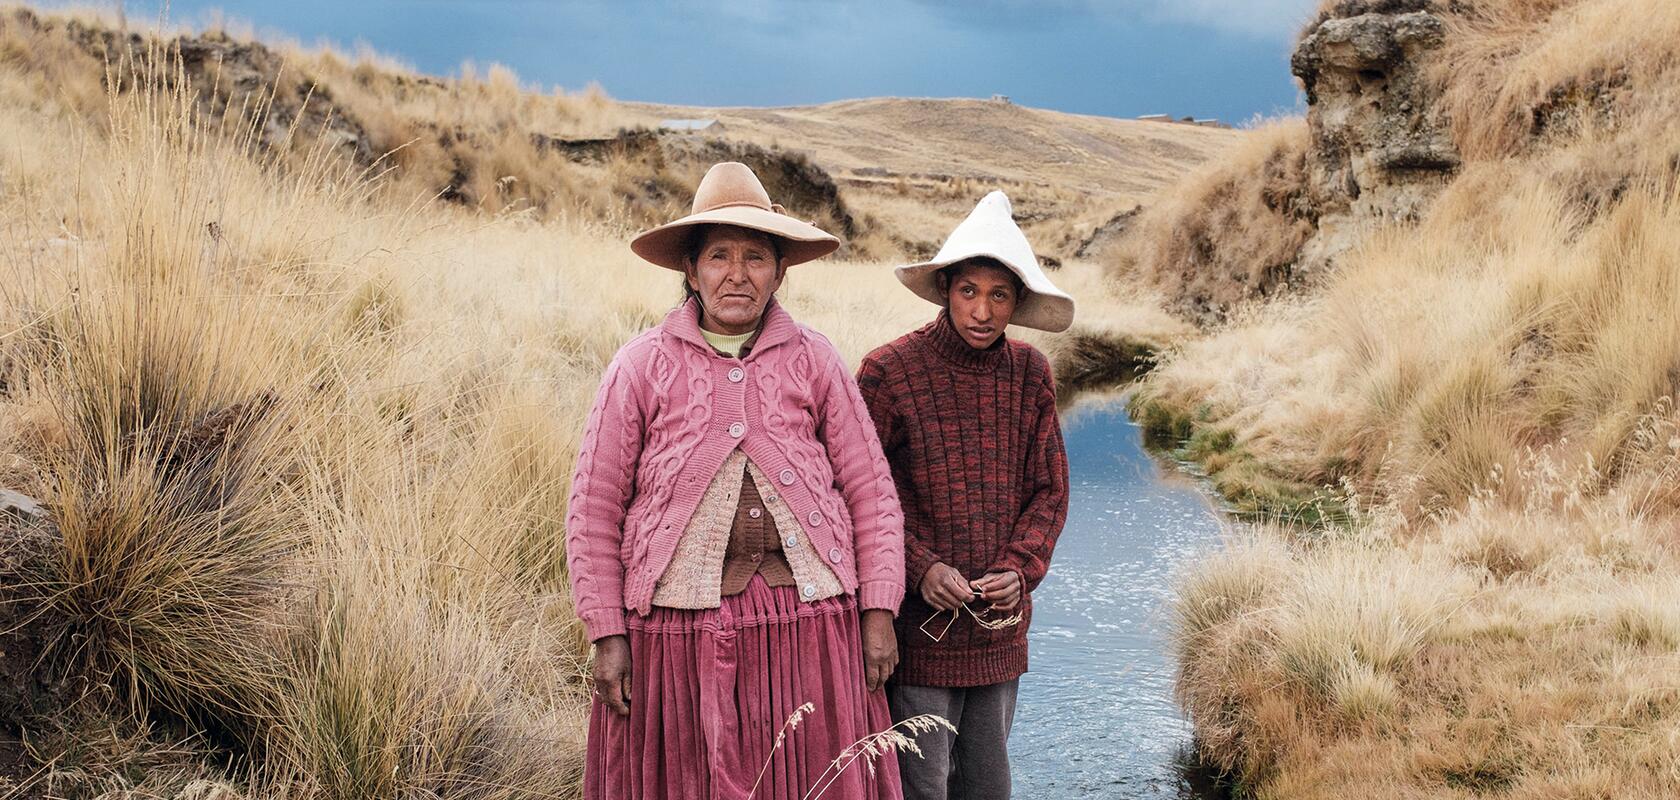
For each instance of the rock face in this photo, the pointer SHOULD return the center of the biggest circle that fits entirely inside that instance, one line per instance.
(1376, 149)
(1108, 236)
(1381, 147)
(227, 76)
(234, 70)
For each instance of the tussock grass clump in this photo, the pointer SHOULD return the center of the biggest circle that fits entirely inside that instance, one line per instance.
(1394, 657)
(1231, 231)
(339, 603)
(1516, 69)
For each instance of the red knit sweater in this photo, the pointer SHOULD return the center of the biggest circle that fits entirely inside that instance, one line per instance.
(976, 453)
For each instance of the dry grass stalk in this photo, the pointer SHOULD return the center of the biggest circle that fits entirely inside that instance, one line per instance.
(869, 748)
(789, 724)
(889, 742)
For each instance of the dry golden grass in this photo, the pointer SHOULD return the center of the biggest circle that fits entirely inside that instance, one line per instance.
(1232, 228)
(307, 437)
(297, 507)
(1591, 63)
(1443, 351)
(1486, 398)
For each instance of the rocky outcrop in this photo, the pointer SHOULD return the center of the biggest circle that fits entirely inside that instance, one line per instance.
(1107, 236)
(1376, 149)
(1381, 146)
(226, 76)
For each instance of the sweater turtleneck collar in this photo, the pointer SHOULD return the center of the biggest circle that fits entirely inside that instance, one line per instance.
(941, 337)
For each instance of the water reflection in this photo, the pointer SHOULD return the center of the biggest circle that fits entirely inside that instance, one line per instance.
(1096, 715)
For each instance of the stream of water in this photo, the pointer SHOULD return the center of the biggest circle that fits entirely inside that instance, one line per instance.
(1096, 717)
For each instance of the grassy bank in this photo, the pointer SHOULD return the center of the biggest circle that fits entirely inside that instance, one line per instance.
(305, 435)
(1487, 392)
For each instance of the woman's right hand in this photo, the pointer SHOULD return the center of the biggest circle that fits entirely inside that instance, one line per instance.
(944, 588)
(612, 673)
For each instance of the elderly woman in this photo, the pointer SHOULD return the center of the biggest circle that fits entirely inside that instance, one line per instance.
(734, 535)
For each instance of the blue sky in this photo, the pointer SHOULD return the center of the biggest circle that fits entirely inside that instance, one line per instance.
(1209, 58)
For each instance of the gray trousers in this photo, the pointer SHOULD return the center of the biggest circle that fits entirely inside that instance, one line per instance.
(971, 764)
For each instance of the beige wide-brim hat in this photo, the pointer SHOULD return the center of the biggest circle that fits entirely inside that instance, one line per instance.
(731, 194)
(990, 232)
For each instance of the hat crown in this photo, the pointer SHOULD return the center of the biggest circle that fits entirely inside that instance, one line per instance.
(730, 183)
(990, 230)
(995, 202)
(730, 194)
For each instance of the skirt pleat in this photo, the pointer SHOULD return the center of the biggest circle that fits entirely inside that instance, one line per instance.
(710, 688)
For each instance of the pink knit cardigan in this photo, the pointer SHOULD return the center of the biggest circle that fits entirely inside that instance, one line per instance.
(670, 410)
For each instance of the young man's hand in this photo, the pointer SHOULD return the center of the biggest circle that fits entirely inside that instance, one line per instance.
(612, 673)
(944, 588)
(1001, 589)
(880, 648)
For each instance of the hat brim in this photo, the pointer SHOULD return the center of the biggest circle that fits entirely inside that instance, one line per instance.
(666, 245)
(1044, 308)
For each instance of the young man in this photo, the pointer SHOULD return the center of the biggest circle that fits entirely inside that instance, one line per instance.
(967, 418)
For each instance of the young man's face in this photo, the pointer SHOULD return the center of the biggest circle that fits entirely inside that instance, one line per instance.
(982, 297)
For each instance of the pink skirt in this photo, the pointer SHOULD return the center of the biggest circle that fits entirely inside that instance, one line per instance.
(710, 689)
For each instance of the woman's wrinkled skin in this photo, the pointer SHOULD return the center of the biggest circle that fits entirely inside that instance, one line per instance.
(735, 271)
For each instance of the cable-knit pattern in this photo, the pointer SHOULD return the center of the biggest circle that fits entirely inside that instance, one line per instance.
(601, 491)
(861, 472)
(670, 411)
(977, 453)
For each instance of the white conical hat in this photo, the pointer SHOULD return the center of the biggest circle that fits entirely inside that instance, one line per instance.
(990, 231)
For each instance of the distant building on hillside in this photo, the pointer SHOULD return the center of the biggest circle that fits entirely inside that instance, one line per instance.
(692, 125)
(1203, 123)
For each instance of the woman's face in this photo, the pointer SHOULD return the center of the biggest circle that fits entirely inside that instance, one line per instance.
(735, 271)
(982, 297)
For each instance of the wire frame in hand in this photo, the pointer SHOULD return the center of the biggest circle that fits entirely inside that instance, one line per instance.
(980, 619)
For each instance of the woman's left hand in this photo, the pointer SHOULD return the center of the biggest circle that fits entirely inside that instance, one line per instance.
(880, 648)
(1001, 589)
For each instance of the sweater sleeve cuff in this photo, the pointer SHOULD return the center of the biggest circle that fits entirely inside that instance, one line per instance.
(917, 561)
(603, 622)
(1011, 562)
(884, 595)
